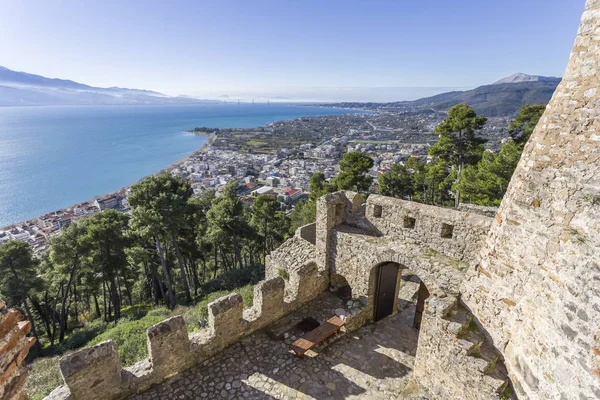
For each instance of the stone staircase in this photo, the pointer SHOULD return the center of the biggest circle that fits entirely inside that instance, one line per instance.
(481, 357)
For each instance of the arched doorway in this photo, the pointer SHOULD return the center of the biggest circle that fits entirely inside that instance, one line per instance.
(386, 291)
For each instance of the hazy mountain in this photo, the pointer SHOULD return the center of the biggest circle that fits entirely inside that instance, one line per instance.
(521, 77)
(23, 89)
(497, 100)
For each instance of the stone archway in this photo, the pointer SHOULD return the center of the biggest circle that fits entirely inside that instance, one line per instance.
(386, 279)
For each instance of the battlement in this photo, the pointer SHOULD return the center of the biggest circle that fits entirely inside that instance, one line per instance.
(96, 372)
(455, 233)
(510, 296)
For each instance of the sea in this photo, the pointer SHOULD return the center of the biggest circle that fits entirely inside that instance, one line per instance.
(54, 157)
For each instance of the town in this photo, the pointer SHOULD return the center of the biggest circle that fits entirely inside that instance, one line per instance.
(277, 159)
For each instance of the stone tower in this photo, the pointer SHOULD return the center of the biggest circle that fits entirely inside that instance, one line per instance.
(537, 288)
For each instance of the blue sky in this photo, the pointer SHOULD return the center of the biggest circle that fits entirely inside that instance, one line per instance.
(283, 46)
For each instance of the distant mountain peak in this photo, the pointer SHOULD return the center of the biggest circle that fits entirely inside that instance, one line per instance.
(20, 88)
(521, 77)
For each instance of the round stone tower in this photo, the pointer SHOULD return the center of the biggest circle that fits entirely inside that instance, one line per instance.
(537, 288)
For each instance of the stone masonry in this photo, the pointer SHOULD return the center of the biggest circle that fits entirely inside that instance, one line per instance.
(537, 288)
(14, 347)
(504, 306)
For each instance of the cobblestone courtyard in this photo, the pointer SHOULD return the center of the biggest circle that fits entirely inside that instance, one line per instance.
(374, 362)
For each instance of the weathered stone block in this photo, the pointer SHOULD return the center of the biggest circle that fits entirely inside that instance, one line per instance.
(94, 372)
(306, 283)
(268, 299)
(169, 346)
(225, 319)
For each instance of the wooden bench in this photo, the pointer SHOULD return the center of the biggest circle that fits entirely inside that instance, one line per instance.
(317, 335)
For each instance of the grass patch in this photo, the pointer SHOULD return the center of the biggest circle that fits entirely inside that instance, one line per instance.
(507, 394)
(256, 143)
(284, 274)
(129, 334)
(473, 327)
(44, 377)
(429, 252)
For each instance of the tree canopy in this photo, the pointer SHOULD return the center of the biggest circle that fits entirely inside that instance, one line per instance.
(354, 167)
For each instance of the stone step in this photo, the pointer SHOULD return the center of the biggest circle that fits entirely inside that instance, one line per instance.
(460, 319)
(489, 354)
(497, 377)
(470, 341)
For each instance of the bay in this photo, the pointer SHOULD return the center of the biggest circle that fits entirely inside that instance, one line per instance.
(54, 157)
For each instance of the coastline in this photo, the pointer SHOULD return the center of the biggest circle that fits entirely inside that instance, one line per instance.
(212, 135)
(210, 138)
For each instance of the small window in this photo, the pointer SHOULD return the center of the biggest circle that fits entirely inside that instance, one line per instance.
(377, 210)
(409, 222)
(447, 231)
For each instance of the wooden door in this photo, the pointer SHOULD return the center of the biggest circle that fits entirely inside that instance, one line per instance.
(385, 291)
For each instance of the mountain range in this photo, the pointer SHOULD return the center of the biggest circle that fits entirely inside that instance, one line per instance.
(23, 89)
(500, 99)
(503, 98)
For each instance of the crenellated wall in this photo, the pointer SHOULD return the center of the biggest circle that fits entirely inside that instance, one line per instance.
(96, 372)
(454, 233)
(437, 246)
(308, 233)
(517, 293)
(537, 287)
(14, 347)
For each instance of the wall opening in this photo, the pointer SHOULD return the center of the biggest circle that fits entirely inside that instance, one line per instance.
(447, 231)
(386, 291)
(377, 210)
(421, 297)
(409, 222)
(307, 324)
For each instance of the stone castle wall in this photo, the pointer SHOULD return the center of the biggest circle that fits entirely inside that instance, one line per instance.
(454, 360)
(537, 288)
(14, 347)
(456, 234)
(96, 372)
(528, 278)
(437, 246)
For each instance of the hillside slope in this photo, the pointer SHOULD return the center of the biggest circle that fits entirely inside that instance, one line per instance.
(496, 100)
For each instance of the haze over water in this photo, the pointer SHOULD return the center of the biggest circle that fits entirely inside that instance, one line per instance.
(54, 157)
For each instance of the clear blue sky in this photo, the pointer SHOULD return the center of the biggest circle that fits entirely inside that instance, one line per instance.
(191, 47)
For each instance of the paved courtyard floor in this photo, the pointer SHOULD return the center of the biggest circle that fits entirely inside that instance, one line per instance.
(373, 362)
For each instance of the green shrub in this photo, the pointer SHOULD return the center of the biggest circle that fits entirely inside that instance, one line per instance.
(136, 311)
(129, 334)
(233, 279)
(80, 337)
(159, 312)
(193, 315)
(283, 273)
(130, 337)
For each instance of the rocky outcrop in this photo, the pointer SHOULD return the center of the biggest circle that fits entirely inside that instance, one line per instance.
(14, 347)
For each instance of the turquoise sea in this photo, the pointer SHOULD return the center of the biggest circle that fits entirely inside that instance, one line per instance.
(53, 157)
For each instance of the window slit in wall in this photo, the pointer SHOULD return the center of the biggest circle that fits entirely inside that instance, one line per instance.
(377, 210)
(447, 231)
(409, 222)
